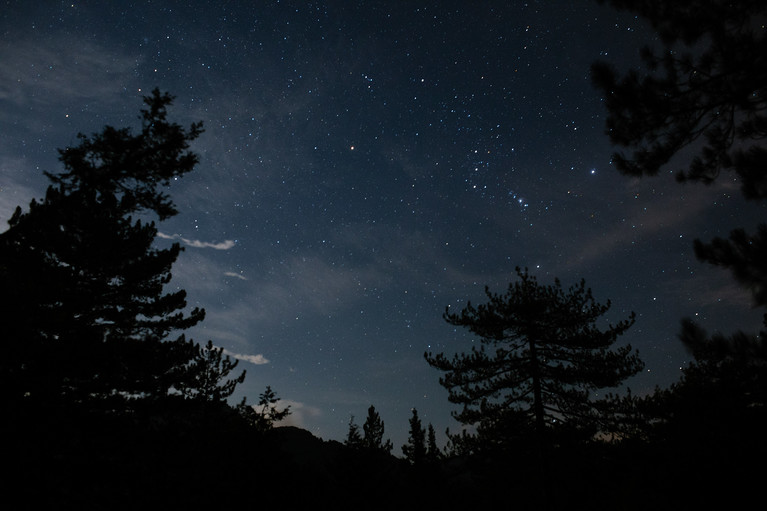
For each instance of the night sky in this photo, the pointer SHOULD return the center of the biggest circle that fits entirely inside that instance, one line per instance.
(366, 164)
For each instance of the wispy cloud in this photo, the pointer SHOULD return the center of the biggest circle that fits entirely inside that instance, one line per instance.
(223, 245)
(253, 359)
(668, 214)
(53, 71)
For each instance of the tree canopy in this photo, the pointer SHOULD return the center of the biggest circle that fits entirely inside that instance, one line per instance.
(353, 435)
(372, 436)
(706, 89)
(415, 448)
(540, 357)
(265, 414)
(704, 93)
(373, 432)
(85, 311)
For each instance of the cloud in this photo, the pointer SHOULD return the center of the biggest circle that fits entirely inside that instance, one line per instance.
(299, 413)
(224, 245)
(645, 221)
(253, 359)
(714, 287)
(236, 275)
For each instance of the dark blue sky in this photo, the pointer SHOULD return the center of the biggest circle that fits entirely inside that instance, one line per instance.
(366, 164)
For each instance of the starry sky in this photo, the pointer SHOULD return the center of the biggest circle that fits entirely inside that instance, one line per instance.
(366, 164)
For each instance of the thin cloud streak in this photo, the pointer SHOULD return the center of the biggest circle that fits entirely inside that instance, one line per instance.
(640, 225)
(224, 245)
(253, 359)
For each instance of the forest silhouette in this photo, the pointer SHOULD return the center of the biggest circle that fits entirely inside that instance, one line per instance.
(109, 406)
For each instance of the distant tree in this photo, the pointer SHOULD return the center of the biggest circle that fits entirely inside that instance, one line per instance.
(462, 443)
(265, 415)
(353, 436)
(85, 314)
(432, 451)
(547, 358)
(415, 448)
(705, 92)
(373, 430)
(209, 375)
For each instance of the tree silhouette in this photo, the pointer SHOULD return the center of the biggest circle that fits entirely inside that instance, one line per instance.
(706, 92)
(745, 256)
(707, 429)
(353, 436)
(704, 97)
(432, 451)
(540, 358)
(263, 416)
(712, 92)
(415, 448)
(724, 387)
(208, 375)
(85, 315)
(373, 432)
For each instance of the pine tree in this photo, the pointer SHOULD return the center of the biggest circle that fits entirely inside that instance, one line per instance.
(706, 89)
(85, 314)
(373, 430)
(208, 375)
(541, 356)
(415, 449)
(432, 451)
(353, 436)
(265, 415)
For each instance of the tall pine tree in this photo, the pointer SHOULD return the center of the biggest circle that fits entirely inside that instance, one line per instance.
(432, 451)
(353, 436)
(415, 448)
(86, 317)
(540, 359)
(373, 432)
